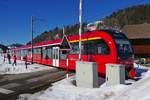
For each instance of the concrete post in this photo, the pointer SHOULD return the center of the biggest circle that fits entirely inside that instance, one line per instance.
(86, 74)
(115, 74)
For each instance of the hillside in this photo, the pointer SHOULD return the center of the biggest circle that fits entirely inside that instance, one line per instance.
(57, 33)
(128, 16)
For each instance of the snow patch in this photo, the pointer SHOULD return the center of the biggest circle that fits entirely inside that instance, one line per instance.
(65, 90)
(6, 68)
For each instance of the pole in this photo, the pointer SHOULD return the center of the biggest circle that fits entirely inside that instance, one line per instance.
(67, 69)
(63, 30)
(80, 29)
(32, 31)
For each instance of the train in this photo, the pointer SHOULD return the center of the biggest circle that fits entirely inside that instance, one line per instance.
(100, 46)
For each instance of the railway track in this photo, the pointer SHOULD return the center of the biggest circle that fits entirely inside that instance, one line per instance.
(13, 85)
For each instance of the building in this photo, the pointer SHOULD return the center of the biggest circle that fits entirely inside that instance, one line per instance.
(139, 35)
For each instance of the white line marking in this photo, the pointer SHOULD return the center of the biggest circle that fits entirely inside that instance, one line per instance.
(5, 91)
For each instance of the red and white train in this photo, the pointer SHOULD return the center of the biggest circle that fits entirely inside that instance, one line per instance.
(100, 46)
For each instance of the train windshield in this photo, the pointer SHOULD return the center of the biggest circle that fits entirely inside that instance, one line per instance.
(123, 45)
(124, 48)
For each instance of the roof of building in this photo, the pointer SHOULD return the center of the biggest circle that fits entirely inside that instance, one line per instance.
(139, 31)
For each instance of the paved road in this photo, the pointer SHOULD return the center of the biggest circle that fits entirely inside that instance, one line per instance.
(13, 85)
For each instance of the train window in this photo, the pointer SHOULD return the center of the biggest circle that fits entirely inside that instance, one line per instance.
(21, 52)
(24, 52)
(44, 50)
(88, 47)
(55, 54)
(49, 52)
(124, 48)
(95, 47)
(34, 51)
(37, 50)
(64, 52)
(75, 48)
(102, 48)
(62, 55)
(29, 51)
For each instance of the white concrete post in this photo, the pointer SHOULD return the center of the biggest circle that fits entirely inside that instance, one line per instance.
(115, 74)
(86, 74)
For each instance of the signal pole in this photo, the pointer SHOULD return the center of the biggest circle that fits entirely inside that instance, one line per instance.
(80, 29)
(33, 19)
(32, 32)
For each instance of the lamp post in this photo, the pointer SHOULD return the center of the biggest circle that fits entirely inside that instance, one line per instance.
(80, 28)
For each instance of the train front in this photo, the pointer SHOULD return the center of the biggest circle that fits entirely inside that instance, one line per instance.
(124, 52)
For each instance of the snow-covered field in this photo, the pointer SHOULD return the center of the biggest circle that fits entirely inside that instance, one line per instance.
(65, 90)
(6, 68)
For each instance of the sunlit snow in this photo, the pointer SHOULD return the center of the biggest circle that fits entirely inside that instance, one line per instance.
(6, 68)
(66, 90)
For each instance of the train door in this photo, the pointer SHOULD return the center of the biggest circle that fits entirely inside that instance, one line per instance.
(56, 56)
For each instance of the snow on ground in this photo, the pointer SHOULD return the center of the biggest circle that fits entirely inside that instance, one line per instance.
(6, 68)
(140, 90)
(65, 90)
(140, 66)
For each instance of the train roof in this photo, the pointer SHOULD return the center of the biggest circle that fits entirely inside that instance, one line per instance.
(40, 44)
(73, 38)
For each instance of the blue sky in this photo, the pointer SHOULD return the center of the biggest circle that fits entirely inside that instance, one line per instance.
(15, 15)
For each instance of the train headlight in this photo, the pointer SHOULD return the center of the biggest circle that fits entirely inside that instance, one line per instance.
(110, 42)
